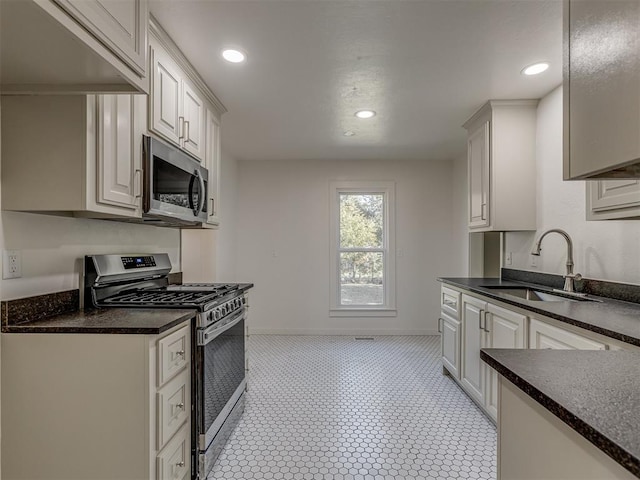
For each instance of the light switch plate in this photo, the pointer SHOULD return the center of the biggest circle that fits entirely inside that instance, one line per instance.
(11, 264)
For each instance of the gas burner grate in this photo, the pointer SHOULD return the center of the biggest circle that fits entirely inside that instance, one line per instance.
(162, 298)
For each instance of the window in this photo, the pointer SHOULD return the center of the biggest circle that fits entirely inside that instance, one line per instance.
(362, 249)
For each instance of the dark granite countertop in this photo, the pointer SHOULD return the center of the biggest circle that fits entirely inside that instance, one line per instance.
(147, 321)
(613, 318)
(602, 402)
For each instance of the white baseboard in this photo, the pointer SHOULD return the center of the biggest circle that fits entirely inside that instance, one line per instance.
(312, 331)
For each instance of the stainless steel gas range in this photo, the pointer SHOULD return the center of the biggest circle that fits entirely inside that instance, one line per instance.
(218, 334)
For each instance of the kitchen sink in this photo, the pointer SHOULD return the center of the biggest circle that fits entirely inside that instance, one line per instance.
(537, 295)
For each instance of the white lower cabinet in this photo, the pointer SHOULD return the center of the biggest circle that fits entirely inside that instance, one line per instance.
(544, 335)
(450, 344)
(473, 339)
(96, 406)
(469, 323)
(505, 329)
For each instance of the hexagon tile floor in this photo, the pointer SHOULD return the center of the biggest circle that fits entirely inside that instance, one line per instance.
(336, 408)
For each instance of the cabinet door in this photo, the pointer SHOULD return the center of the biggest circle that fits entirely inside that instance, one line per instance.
(120, 24)
(478, 164)
(472, 372)
(506, 329)
(213, 166)
(119, 175)
(601, 86)
(610, 199)
(165, 98)
(193, 112)
(450, 344)
(542, 335)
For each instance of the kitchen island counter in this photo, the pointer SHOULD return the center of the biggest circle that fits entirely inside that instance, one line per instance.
(595, 393)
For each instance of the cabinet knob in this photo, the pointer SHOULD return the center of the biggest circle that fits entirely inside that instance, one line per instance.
(180, 354)
(180, 406)
(180, 464)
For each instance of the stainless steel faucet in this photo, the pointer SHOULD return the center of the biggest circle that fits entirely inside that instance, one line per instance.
(569, 278)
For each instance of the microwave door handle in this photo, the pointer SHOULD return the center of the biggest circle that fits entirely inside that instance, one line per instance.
(202, 198)
(191, 206)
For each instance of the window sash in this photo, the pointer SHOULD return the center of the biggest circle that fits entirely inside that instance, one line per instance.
(386, 190)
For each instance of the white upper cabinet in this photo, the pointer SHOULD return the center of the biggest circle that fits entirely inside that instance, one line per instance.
(193, 112)
(185, 112)
(213, 166)
(613, 199)
(91, 46)
(87, 160)
(177, 104)
(501, 166)
(166, 89)
(119, 132)
(120, 24)
(478, 158)
(601, 89)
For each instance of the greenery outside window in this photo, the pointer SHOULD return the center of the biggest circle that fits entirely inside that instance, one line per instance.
(362, 249)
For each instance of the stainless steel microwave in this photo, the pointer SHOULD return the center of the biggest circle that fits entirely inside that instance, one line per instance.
(175, 186)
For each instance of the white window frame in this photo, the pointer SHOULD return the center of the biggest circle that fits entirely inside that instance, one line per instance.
(388, 308)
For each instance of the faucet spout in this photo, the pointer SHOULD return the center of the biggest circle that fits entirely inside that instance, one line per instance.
(569, 278)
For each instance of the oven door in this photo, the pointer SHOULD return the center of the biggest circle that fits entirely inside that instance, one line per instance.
(221, 377)
(175, 184)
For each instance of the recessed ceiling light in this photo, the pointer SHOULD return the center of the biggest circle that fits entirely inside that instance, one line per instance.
(349, 133)
(365, 114)
(535, 69)
(234, 56)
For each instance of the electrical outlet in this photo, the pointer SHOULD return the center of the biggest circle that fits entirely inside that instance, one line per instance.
(508, 258)
(534, 260)
(11, 264)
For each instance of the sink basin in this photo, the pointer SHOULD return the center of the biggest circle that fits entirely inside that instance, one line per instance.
(530, 294)
(535, 295)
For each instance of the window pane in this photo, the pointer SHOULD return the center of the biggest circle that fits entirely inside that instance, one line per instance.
(361, 275)
(361, 220)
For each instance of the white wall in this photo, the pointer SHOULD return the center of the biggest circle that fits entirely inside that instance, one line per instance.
(227, 235)
(210, 255)
(283, 243)
(606, 250)
(460, 229)
(53, 247)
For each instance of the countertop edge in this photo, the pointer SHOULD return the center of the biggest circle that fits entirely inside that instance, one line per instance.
(595, 437)
(571, 321)
(52, 329)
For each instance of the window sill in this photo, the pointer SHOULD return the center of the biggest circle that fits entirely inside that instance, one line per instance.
(363, 312)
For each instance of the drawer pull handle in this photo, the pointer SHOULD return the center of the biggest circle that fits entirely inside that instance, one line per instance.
(180, 464)
(450, 304)
(180, 406)
(180, 354)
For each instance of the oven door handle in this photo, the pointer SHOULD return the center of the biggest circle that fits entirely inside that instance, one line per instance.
(213, 331)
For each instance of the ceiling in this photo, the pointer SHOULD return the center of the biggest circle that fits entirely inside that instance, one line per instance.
(423, 66)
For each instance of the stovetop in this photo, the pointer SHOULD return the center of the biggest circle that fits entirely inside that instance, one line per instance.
(185, 295)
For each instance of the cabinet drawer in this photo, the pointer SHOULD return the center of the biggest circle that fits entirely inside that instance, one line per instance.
(542, 335)
(174, 353)
(174, 406)
(173, 462)
(450, 302)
